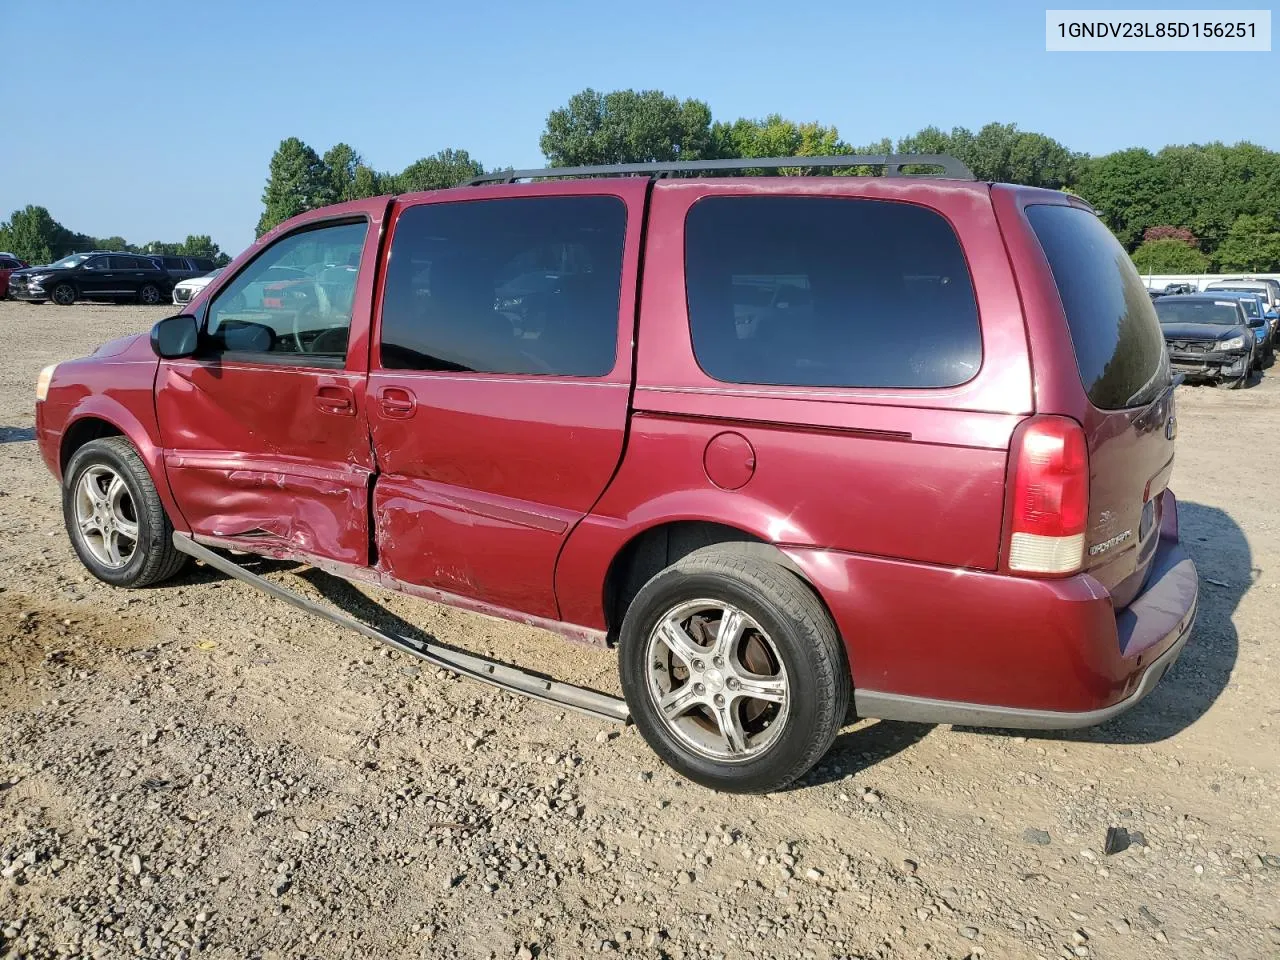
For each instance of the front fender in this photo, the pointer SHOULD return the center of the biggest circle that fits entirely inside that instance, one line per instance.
(141, 431)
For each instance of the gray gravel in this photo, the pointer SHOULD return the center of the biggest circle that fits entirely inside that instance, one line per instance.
(199, 770)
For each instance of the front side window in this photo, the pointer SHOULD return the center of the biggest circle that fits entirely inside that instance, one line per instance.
(829, 292)
(293, 303)
(516, 286)
(97, 263)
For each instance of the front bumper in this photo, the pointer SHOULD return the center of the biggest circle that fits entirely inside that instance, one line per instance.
(1224, 366)
(939, 645)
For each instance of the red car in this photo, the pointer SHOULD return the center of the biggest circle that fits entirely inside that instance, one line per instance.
(792, 444)
(8, 264)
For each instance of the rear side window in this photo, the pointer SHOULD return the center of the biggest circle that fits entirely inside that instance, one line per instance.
(829, 292)
(1119, 348)
(517, 286)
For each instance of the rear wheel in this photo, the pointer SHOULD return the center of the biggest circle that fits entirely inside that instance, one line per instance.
(114, 516)
(733, 671)
(149, 294)
(64, 294)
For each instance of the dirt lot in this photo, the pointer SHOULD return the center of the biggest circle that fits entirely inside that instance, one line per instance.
(200, 769)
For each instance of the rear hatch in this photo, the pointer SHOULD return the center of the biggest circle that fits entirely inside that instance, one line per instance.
(1124, 368)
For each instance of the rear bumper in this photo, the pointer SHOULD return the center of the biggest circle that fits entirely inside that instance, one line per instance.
(951, 646)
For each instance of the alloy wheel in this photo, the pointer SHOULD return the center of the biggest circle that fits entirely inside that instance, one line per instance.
(106, 516)
(717, 680)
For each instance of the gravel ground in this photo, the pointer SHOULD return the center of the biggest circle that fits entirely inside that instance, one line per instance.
(200, 769)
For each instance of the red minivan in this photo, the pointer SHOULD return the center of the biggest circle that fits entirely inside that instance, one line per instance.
(793, 444)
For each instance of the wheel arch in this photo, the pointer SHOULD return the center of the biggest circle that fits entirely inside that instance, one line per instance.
(651, 550)
(99, 416)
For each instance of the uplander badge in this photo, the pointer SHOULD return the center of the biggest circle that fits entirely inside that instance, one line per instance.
(1106, 545)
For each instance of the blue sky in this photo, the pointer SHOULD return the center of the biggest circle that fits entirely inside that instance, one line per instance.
(134, 119)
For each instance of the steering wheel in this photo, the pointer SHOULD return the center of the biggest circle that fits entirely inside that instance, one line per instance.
(305, 307)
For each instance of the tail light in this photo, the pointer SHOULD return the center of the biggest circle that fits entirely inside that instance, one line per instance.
(1050, 497)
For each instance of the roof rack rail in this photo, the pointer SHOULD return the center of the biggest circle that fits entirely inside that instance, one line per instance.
(952, 169)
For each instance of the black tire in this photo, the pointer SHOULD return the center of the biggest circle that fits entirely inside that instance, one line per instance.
(154, 557)
(64, 294)
(804, 638)
(150, 295)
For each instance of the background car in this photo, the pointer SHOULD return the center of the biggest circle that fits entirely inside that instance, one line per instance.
(8, 264)
(1270, 289)
(1208, 337)
(1255, 306)
(185, 292)
(183, 268)
(93, 276)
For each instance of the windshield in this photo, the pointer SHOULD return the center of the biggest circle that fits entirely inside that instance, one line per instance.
(72, 261)
(1223, 312)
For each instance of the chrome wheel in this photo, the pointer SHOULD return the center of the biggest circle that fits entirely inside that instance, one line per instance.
(64, 295)
(717, 680)
(106, 516)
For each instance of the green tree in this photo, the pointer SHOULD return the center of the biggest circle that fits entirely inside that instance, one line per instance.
(627, 126)
(1129, 189)
(32, 234)
(448, 168)
(340, 164)
(776, 137)
(1253, 244)
(1169, 255)
(297, 182)
(1002, 153)
(367, 182)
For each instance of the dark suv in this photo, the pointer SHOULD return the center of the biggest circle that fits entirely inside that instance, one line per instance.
(93, 276)
(183, 268)
(788, 442)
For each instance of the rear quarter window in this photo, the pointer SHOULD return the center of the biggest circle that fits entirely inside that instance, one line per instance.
(1119, 348)
(829, 292)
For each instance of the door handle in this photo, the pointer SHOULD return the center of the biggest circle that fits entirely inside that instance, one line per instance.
(337, 400)
(397, 403)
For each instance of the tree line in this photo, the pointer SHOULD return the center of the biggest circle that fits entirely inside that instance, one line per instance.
(1182, 209)
(33, 235)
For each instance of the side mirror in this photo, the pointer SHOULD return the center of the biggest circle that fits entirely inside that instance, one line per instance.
(1272, 315)
(175, 337)
(1257, 322)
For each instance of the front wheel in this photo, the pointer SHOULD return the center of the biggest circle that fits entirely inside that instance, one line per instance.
(149, 294)
(114, 516)
(733, 671)
(64, 294)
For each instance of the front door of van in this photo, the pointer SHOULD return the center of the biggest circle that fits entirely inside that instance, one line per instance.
(500, 382)
(265, 434)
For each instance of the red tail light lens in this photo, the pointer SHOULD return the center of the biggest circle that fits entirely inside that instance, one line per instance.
(1050, 497)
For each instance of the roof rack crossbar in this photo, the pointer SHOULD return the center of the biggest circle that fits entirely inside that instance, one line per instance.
(952, 169)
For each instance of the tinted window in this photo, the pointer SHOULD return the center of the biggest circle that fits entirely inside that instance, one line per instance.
(204, 264)
(294, 300)
(1119, 348)
(175, 263)
(525, 285)
(818, 291)
(1177, 310)
(97, 263)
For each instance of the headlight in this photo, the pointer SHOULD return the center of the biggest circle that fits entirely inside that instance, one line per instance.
(39, 277)
(43, 380)
(1235, 343)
